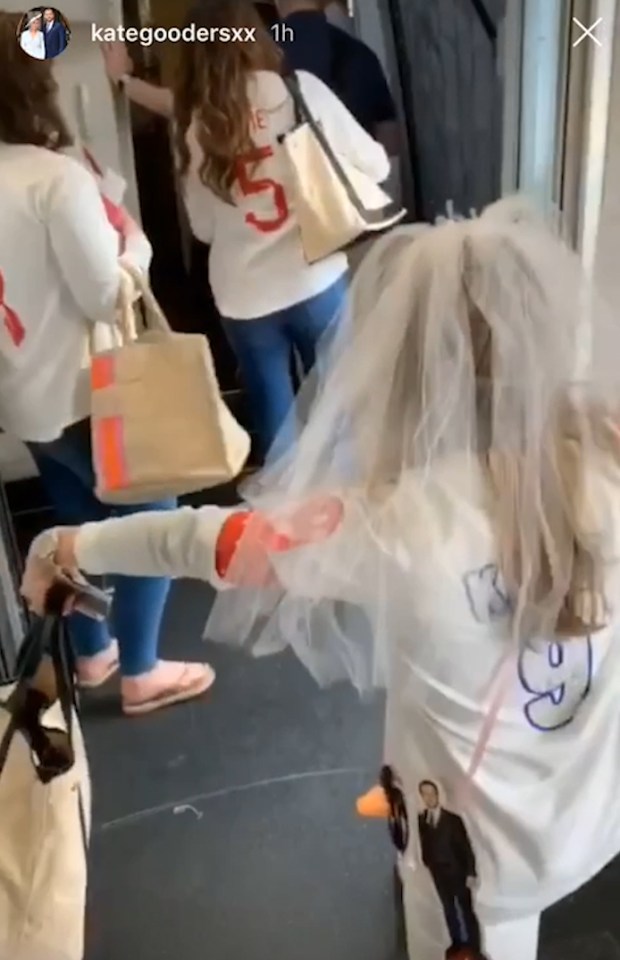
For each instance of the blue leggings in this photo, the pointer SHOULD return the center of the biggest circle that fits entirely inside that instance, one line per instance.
(265, 347)
(67, 475)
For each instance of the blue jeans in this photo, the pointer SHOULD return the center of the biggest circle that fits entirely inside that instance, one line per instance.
(265, 348)
(67, 475)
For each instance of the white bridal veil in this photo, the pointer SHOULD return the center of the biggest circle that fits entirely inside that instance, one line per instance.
(468, 342)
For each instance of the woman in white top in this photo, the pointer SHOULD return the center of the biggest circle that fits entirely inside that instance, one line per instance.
(59, 274)
(231, 109)
(481, 546)
(32, 40)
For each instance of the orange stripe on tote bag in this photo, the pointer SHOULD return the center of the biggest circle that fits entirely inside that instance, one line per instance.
(109, 448)
(102, 372)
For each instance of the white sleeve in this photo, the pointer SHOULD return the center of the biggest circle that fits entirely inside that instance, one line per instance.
(138, 251)
(198, 201)
(175, 543)
(343, 132)
(85, 244)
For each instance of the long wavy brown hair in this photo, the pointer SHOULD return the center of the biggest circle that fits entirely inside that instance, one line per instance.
(211, 89)
(29, 108)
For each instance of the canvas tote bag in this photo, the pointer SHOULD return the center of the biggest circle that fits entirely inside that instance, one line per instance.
(335, 202)
(44, 804)
(160, 427)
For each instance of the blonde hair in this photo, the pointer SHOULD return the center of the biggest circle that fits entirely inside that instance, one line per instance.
(550, 554)
(478, 372)
(467, 340)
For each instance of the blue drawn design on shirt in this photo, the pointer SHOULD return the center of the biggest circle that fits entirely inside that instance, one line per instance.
(486, 594)
(559, 677)
(556, 676)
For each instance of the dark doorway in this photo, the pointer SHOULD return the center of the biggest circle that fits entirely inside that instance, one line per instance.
(181, 288)
(447, 54)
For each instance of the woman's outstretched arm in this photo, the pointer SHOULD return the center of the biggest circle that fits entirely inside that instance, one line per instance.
(222, 547)
(178, 543)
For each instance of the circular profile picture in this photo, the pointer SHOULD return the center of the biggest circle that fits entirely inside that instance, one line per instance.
(43, 33)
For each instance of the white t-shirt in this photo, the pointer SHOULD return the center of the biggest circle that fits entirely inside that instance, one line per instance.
(542, 813)
(257, 264)
(58, 275)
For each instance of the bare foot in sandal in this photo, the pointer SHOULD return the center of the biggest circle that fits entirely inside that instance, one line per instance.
(167, 683)
(93, 672)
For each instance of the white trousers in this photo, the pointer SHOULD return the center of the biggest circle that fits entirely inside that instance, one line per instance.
(515, 940)
(427, 934)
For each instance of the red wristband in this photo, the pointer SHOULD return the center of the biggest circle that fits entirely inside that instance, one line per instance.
(311, 524)
(228, 541)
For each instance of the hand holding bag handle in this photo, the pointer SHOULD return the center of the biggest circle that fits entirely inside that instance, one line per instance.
(104, 336)
(303, 114)
(135, 286)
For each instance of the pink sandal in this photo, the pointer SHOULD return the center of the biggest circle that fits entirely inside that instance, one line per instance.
(192, 680)
(93, 672)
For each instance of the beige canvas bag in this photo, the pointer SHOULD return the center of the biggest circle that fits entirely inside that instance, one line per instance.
(160, 427)
(335, 202)
(44, 806)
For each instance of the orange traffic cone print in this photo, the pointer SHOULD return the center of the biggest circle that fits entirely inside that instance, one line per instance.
(374, 805)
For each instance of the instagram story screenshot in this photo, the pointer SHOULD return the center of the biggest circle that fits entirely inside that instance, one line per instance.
(309, 488)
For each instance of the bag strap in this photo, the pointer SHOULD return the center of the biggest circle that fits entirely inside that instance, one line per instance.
(134, 288)
(154, 317)
(303, 114)
(48, 637)
(29, 658)
(124, 322)
(63, 657)
(125, 317)
(63, 660)
(92, 163)
(291, 82)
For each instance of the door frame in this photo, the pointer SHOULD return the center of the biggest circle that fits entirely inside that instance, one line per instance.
(597, 66)
(584, 80)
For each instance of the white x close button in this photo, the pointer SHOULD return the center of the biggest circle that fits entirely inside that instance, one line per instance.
(587, 32)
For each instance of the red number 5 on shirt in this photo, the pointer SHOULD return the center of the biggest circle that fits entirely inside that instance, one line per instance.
(251, 185)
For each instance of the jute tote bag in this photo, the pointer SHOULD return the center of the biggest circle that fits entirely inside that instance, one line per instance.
(160, 427)
(44, 804)
(335, 202)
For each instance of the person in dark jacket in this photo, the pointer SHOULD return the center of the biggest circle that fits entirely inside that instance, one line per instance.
(448, 855)
(54, 34)
(344, 63)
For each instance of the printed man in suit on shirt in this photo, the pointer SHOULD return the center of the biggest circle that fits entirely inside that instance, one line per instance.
(54, 34)
(447, 854)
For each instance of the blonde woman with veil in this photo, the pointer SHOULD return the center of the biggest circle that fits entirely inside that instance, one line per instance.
(470, 566)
